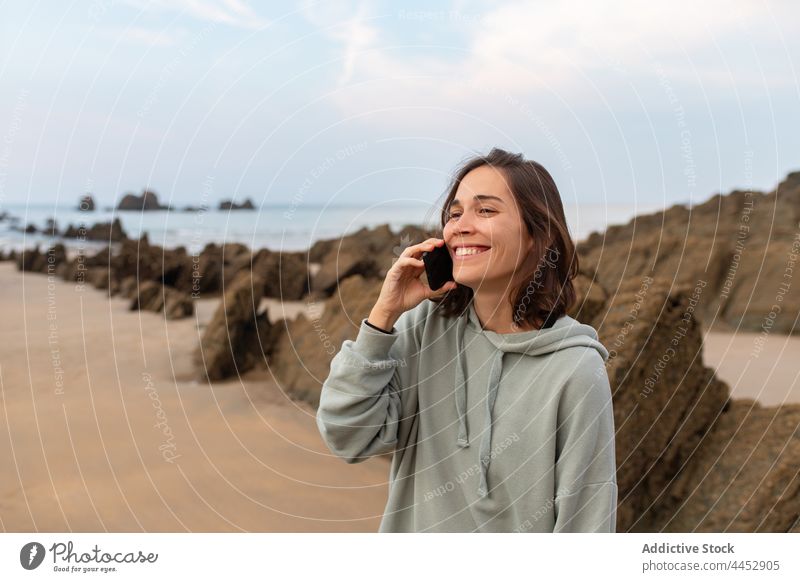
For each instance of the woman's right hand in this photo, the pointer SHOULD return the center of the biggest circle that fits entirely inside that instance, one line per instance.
(402, 288)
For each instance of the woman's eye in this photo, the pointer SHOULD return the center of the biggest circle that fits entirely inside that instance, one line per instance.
(454, 215)
(487, 210)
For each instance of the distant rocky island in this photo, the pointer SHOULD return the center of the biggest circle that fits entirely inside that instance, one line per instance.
(148, 201)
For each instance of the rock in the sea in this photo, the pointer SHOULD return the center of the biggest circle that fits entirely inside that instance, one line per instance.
(86, 204)
(231, 205)
(239, 336)
(147, 201)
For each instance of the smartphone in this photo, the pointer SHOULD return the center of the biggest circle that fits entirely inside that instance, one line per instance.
(438, 266)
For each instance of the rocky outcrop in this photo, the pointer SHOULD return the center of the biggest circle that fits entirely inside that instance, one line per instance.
(150, 296)
(742, 247)
(665, 400)
(369, 253)
(86, 204)
(305, 348)
(240, 335)
(231, 205)
(743, 477)
(101, 231)
(35, 261)
(147, 201)
(285, 275)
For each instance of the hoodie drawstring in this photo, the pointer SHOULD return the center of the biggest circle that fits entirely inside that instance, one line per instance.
(461, 405)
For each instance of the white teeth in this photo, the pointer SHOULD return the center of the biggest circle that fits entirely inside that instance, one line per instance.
(468, 251)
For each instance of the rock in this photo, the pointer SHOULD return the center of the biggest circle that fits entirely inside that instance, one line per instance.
(231, 205)
(128, 287)
(177, 305)
(665, 400)
(591, 297)
(50, 227)
(86, 204)
(151, 296)
(743, 476)
(33, 260)
(303, 353)
(238, 336)
(738, 246)
(285, 274)
(147, 201)
(210, 268)
(99, 277)
(137, 258)
(101, 231)
(369, 253)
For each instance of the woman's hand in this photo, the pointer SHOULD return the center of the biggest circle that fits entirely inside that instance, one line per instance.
(402, 289)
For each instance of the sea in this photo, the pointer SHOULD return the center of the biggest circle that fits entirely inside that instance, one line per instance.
(276, 227)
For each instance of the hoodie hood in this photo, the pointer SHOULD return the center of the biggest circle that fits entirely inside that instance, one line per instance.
(565, 332)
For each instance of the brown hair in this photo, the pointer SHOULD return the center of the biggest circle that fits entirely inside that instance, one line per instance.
(548, 289)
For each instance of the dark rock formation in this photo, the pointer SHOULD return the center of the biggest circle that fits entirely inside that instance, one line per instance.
(665, 400)
(231, 205)
(369, 253)
(35, 261)
(101, 231)
(86, 204)
(285, 275)
(305, 348)
(740, 246)
(743, 476)
(239, 336)
(150, 296)
(147, 201)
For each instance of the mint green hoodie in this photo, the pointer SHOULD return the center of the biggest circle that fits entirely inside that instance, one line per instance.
(490, 432)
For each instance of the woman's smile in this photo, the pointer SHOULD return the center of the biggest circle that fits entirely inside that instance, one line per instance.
(466, 253)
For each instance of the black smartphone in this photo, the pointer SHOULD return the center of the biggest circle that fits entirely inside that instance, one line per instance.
(438, 266)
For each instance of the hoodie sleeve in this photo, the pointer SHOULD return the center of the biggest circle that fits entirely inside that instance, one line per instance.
(361, 404)
(585, 472)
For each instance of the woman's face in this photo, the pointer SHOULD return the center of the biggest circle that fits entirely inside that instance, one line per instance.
(487, 238)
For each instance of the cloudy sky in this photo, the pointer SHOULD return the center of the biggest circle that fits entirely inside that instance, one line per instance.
(624, 102)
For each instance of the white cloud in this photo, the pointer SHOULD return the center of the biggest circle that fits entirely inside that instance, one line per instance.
(521, 48)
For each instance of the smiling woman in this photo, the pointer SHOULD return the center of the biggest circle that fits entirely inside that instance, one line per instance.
(492, 357)
(504, 222)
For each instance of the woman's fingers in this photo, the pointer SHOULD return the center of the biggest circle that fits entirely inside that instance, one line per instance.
(418, 249)
(410, 262)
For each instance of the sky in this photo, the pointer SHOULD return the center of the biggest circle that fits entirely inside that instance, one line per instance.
(625, 103)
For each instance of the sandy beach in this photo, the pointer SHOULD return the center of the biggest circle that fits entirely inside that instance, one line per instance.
(106, 430)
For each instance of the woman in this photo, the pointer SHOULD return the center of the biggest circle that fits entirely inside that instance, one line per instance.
(495, 402)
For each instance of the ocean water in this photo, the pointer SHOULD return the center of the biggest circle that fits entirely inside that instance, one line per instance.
(276, 227)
